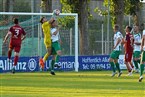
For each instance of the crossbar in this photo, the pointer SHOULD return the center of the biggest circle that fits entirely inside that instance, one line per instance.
(24, 13)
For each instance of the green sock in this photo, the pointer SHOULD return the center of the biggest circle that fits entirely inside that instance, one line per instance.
(118, 67)
(141, 69)
(138, 61)
(57, 58)
(136, 64)
(113, 66)
(52, 64)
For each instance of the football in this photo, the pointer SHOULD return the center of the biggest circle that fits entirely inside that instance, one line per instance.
(56, 12)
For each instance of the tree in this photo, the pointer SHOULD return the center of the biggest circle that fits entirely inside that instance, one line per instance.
(135, 8)
(8, 7)
(46, 5)
(119, 13)
(80, 7)
(119, 8)
(83, 20)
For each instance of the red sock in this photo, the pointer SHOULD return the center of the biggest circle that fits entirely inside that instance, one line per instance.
(16, 60)
(9, 54)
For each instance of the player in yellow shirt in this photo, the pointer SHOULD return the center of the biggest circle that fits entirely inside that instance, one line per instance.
(46, 27)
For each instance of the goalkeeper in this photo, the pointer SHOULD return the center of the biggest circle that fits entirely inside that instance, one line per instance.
(46, 27)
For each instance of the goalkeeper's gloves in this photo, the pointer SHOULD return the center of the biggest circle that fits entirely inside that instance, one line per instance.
(54, 15)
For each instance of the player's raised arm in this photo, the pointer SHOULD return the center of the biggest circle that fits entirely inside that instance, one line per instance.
(58, 28)
(51, 20)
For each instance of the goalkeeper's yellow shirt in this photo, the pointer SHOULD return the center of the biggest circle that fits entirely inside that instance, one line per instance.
(47, 35)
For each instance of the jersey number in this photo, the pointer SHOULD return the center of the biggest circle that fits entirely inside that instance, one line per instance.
(17, 32)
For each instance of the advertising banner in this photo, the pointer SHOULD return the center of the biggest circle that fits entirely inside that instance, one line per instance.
(99, 62)
(67, 63)
(25, 64)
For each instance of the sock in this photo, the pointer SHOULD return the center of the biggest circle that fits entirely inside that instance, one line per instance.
(52, 65)
(46, 57)
(131, 64)
(136, 64)
(9, 54)
(113, 66)
(13, 67)
(118, 67)
(138, 61)
(141, 69)
(57, 58)
(15, 60)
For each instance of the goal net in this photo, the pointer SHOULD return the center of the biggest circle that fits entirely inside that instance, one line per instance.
(33, 45)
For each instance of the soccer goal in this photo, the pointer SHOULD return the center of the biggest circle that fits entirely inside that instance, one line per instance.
(33, 45)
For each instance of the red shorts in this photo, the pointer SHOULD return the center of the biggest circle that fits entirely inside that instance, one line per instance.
(128, 57)
(15, 45)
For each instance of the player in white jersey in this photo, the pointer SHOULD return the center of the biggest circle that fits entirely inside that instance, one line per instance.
(116, 51)
(56, 49)
(142, 62)
(137, 48)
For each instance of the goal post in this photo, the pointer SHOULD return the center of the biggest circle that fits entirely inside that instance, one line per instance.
(75, 15)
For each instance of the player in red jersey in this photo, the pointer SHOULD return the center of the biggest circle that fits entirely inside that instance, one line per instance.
(128, 46)
(17, 34)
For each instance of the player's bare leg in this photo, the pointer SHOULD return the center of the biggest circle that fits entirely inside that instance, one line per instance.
(42, 61)
(9, 55)
(15, 61)
(128, 68)
(131, 65)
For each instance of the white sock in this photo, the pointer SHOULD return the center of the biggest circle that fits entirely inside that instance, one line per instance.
(52, 70)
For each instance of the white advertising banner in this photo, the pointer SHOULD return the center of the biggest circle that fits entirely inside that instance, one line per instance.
(121, 62)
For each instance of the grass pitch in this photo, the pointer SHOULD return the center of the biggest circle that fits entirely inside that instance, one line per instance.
(71, 84)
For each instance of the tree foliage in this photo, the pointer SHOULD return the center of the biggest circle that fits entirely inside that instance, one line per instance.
(80, 7)
(134, 6)
(71, 5)
(46, 5)
(131, 7)
(67, 21)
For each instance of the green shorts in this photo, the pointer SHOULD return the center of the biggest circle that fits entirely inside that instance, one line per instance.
(143, 56)
(115, 54)
(55, 47)
(136, 54)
